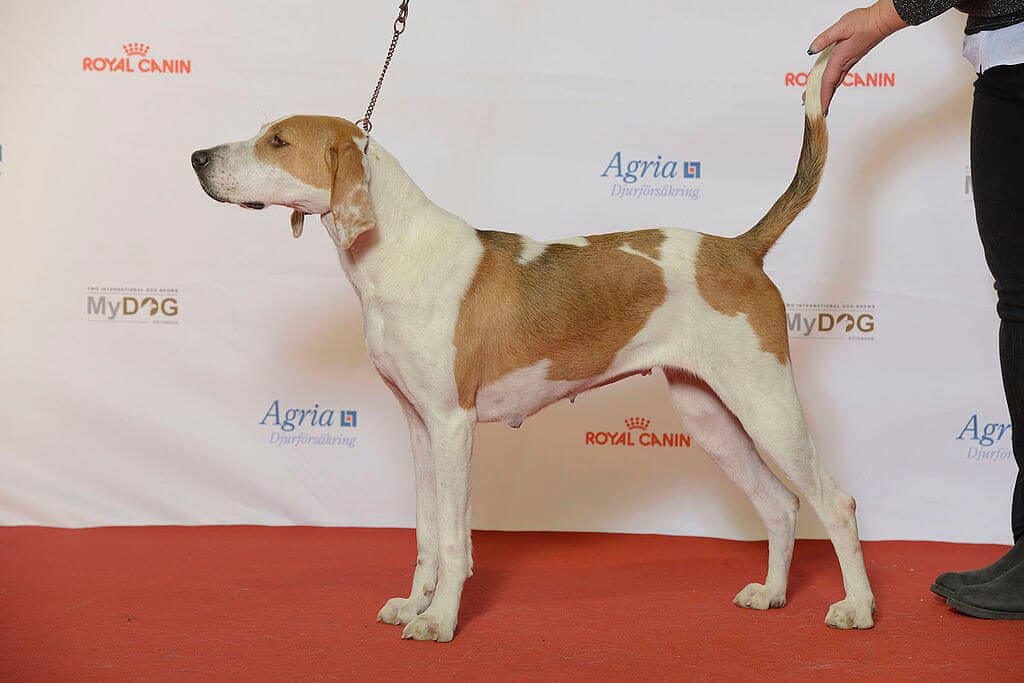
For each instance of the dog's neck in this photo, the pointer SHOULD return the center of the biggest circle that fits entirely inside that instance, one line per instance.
(407, 223)
(396, 198)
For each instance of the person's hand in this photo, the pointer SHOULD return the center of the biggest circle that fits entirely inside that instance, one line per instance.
(854, 35)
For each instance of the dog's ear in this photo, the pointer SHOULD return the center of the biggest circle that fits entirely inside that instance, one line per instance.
(351, 207)
(298, 220)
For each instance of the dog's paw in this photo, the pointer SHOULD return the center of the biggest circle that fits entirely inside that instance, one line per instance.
(759, 596)
(400, 611)
(851, 613)
(429, 626)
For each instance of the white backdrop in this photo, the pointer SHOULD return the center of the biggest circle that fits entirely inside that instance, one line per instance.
(508, 114)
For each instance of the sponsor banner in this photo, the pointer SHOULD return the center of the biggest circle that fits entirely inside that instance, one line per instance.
(853, 322)
(136, 58)
(313, 425)
(878, 79)
(659, 177)
(146, 305)
(985, 440)
(261, 404)
(637, 434)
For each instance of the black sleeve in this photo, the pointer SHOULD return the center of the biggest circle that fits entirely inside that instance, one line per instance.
(916, 12)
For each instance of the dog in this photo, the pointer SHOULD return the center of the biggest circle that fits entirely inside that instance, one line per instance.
(470, 326)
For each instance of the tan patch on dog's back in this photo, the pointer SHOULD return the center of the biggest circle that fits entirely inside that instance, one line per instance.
(730, 279)
(573, 305)
(309, 138)
(647, 242)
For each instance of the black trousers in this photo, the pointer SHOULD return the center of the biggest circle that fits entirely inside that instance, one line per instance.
(997, 173)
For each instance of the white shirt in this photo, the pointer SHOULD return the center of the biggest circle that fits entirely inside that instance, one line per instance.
(986, 49)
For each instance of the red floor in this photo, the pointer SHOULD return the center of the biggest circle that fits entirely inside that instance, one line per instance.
(286, 604)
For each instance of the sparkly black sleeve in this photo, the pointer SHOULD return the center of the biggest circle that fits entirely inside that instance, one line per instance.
(916, 12)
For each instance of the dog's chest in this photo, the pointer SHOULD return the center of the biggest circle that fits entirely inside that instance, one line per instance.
(411, 346)
(411, 295)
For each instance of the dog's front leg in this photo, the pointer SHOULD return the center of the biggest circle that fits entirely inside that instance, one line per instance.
(424, 580)
(451, 445)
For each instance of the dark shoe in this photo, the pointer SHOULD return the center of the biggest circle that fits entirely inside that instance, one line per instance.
(1000, 598)
(949, 583)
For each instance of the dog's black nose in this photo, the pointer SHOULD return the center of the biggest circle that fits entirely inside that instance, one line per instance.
(200, 159)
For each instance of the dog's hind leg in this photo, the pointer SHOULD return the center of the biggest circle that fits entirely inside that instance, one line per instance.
(770, 412)
(719, 433)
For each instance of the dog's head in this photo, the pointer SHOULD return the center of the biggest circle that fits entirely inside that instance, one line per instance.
(312, 164)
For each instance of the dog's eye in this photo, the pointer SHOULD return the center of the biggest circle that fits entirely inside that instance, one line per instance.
(276, 141)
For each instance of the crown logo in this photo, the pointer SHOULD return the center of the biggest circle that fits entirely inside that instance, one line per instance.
(641, 423)
(136, 49)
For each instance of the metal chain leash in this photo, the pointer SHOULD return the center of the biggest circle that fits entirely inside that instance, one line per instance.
(399, 27)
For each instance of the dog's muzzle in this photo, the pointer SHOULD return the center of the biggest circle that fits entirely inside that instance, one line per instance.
(201, 164)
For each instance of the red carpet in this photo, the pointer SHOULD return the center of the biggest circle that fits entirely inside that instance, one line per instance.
(286, 604)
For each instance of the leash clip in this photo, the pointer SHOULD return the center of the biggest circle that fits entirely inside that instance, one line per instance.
(403, 14)
(399, 29)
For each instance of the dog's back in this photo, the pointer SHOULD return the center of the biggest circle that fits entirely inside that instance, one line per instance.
(583, 311)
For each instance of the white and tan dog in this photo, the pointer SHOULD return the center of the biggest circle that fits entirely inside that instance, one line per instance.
(470, 326)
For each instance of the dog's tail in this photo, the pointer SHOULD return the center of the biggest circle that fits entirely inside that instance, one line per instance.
(798, 195)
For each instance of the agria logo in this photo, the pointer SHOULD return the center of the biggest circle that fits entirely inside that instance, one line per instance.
(637, 433)
(987, 441)
(314, 425)
(155, 305)
(657, 177)
(136, 59)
